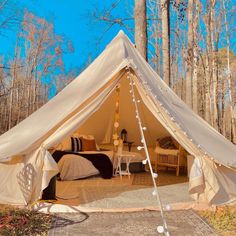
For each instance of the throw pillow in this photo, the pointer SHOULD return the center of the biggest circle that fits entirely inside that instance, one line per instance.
(76, 144)
(88, 144)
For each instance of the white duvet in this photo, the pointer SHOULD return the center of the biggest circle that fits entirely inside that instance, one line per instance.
(73, 167)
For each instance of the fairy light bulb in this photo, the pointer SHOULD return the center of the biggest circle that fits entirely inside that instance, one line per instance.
(154, 193)
(168, 207)
(140, 148)
(160, 229)
(155, 175)
(144, 128)
(144, 161)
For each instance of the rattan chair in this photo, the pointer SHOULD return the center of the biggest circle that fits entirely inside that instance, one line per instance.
(173, 158)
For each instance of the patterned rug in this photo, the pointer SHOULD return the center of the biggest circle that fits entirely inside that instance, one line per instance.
(164, 178)
(91, 194)
(180, 223)
(96, 189)
(139, 198)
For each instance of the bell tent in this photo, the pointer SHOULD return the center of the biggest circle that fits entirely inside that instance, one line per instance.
(26, 165)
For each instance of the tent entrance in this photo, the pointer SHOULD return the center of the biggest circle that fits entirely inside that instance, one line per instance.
(100, 125)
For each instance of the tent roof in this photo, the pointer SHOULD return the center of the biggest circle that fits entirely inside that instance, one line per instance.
(101, 78)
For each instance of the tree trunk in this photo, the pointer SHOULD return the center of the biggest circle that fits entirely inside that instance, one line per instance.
(189, 58)
(10, 105)
(141, 27)
(195, 59)
(233, 132)
(207, 82)
(214, 69)
(165, 5)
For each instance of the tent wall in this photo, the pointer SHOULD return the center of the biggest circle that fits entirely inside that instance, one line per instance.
(98, 123)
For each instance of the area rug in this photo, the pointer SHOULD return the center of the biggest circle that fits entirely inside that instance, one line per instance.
(91, 194)
(164, 178)
(134, 198)
(180, 223)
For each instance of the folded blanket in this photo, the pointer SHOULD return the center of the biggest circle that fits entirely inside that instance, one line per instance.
(99, 160)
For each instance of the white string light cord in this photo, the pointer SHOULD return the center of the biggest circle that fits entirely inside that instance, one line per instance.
(160, 228)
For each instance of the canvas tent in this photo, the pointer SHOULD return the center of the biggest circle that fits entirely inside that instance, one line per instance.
(26, 165)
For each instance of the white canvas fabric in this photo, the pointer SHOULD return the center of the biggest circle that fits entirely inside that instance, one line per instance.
(23, 149)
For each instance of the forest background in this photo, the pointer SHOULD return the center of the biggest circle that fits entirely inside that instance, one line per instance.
(191, 44)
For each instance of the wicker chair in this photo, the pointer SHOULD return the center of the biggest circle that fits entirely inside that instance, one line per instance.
(173, 158)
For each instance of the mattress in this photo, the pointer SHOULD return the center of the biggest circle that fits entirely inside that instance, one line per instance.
(73, 167)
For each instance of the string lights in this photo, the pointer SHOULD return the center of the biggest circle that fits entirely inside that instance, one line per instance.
(176, 128)
(161, 228)
(190, 147)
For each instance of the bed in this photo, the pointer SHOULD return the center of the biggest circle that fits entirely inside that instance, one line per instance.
(79, 165)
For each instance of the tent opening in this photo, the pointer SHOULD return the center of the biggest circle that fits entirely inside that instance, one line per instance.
(100, 126)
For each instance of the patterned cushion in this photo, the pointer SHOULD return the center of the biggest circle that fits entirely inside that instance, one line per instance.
(76, 144)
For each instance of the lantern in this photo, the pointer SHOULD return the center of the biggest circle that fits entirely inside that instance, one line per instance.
(123, 135)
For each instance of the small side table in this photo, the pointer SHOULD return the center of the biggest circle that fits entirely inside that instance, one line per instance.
(129, 143)
(123, 158)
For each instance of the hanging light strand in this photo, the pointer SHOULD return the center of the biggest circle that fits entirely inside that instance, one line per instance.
(153, 175)
(200, 148)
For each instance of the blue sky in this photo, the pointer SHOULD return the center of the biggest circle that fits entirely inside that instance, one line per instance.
(72, 19)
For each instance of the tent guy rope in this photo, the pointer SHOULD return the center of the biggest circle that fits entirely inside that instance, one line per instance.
(160, 228)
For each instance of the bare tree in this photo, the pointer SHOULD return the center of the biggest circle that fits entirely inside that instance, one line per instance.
(154, 39)
(23, 89)
(189, 58)
(231, 103)
(195, 57)
(165, 7)
(141, 27)
(10, 16)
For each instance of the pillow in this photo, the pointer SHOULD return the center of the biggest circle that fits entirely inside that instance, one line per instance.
(166, 143)
(88, 144)
(76, 144)
(89, 137)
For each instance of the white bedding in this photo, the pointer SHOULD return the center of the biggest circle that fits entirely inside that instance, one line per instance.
(73, 167)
